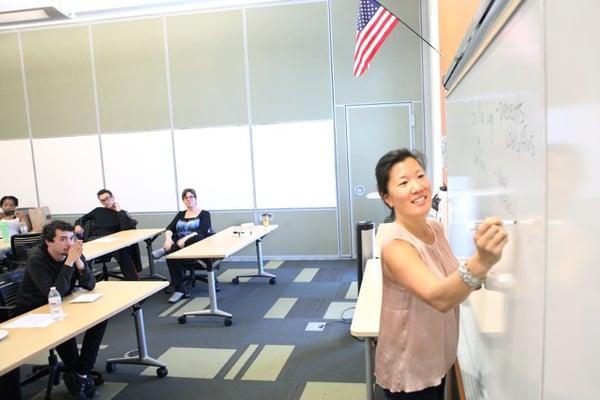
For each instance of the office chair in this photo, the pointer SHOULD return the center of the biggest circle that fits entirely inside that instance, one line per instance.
(193, 270)
(20, 245)
(5, 263)
(9, 287)
(88, 228)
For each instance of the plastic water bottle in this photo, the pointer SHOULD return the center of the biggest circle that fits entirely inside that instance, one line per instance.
(55, 302)
(4, 231)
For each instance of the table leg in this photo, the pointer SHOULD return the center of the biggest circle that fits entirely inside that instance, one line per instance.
(152, 275)
(140, 355)
(261, 270)
(212, 297)
(369, 367)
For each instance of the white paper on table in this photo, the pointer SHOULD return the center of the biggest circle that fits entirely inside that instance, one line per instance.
(87, 298)
(30, 321)
(106, 239)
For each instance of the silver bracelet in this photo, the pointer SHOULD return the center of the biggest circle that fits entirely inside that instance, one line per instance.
(467, 276)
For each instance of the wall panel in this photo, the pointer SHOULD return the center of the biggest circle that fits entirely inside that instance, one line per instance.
(303, 233)
(60, 88)
(206, 60)
(289, 63)
(131, 75)
(13, 115)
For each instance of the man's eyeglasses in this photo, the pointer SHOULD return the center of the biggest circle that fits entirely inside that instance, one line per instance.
(104, 199)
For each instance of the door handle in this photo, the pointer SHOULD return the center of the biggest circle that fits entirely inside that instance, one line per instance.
(359, 190)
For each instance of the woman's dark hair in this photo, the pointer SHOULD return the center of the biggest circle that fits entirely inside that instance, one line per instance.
(186, 191)
(391, 158)
(49, 230)
(13, 198)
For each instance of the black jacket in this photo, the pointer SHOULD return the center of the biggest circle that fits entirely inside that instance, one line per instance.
(106, 221)
(42, 272)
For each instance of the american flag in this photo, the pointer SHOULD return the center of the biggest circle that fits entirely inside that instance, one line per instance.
(375, 23)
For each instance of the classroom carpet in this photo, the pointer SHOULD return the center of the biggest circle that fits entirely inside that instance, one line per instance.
(265, 354)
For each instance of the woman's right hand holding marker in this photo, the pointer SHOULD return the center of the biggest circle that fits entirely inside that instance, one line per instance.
(490, 238)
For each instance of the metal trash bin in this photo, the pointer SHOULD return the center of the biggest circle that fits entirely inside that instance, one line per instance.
(365, 245)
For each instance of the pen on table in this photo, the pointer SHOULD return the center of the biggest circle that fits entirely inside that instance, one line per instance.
(504, 223)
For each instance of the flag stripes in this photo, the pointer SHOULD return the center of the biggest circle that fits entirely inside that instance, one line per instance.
(371, 37)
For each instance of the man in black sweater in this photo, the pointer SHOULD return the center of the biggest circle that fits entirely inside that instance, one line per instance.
(110, 218)
(59, 262)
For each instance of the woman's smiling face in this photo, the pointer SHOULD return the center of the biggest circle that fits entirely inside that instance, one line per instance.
(409, 189)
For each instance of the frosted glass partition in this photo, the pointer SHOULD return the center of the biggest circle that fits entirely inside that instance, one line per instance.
(216, 162)
(294, 165)
(69, 173)
(138, 169)
(18, 179)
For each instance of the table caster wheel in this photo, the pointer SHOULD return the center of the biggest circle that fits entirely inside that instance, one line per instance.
(272, 281)
(228, 322)
(235, 281)
(110, 367)
(182, 320)
(162, 372)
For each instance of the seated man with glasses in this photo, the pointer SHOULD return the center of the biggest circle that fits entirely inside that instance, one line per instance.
(110, 218)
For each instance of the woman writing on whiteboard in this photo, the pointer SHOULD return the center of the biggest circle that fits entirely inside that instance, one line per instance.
(188, 227)
(423, 283)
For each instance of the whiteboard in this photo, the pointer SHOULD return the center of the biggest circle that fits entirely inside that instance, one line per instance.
(537, 78)
(497, 166)
(295, 165)
(217, 163)
(572, 335)
(68, 173)
(17, 179)
(138, 169)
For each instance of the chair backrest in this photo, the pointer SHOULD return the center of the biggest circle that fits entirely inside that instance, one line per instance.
(9, 287)
(21, 244)
(88, 228)
(88, 234)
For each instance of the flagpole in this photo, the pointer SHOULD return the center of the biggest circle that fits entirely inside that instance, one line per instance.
(415, 32)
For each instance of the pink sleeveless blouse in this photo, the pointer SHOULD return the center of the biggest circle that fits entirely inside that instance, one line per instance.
(417, 343)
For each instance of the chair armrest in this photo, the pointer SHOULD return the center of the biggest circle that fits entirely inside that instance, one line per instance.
(5, 312)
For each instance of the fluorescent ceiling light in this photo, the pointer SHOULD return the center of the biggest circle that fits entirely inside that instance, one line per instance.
(22, 16)
(43, 13)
